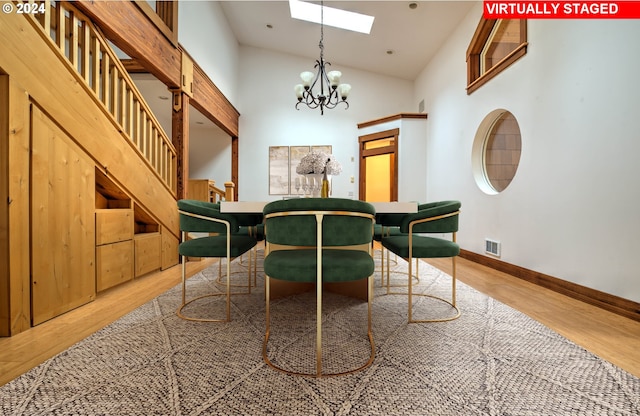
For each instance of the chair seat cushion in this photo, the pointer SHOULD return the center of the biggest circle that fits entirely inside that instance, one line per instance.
(423, 247)
(216, 246)
(300, 265)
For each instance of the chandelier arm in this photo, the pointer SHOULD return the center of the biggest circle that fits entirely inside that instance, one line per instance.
(332, 102)
(318, 77)
(311, 101)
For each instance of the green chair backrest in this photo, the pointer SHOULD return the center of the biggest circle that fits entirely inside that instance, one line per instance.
(205, 209)
(448, 224)
(300, 230)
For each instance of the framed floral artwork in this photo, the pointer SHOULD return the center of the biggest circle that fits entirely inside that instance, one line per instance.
(278, 170)
(322, 149)
(296, 153)
(285, 161)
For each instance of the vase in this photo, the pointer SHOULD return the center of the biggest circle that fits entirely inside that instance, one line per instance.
(324, 192)
(315, 184)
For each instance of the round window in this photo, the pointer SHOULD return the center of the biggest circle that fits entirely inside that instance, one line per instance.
(496, 151)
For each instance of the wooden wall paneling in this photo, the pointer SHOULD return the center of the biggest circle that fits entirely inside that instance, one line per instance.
(15, 313)
(63, 230)
(64, 96)
(208, 99)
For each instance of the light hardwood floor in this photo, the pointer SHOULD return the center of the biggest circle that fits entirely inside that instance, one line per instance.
(610, 336)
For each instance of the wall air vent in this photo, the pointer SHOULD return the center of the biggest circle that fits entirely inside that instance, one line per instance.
(492, 247)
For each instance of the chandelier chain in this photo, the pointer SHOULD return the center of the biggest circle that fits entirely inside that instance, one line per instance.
(321, 45)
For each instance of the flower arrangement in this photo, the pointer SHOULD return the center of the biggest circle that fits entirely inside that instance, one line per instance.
(317, 162)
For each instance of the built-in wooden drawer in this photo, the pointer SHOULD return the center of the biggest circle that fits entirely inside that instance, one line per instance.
(114, 264)
(148, 253)
(113, 225)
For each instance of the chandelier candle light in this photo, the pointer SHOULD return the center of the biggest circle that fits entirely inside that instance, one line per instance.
(331, 91)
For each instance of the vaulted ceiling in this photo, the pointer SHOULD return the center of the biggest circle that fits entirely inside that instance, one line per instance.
(413, 34)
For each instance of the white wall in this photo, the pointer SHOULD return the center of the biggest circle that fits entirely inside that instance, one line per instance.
(412, 156)
(269, 118)
(213, 45)
(210, 155)
(572, 208)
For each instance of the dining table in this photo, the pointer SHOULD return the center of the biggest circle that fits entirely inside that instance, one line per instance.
(280, 288)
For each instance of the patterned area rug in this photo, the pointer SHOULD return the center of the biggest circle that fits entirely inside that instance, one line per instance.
(493, 360)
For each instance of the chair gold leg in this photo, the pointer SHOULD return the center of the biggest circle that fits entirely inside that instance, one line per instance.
(267, 332)
(184, 279)
(453, 281)
(381, 265)
(319, 296)
(456, 315)
(389, 286)
(410, 293)
(249, 272)
(185, 303)
(388, 275)
(255, 266)
(184, 293)
(318, 373)
(228, 287)
(248, 286)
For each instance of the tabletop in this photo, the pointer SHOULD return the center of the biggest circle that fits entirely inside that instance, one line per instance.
(257, 207)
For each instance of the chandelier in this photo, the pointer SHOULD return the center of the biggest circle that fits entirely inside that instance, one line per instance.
(322, 89)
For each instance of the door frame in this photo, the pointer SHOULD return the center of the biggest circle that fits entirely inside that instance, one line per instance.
(364, 153)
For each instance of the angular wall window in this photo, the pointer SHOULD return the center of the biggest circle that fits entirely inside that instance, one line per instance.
(496, 151)
(496, 44)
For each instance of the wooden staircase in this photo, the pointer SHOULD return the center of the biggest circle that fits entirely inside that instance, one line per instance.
(88, 173)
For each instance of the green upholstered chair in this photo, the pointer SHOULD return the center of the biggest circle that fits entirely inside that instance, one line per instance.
(225, 243)
(319, 240)
(415, 243)
(251, 225)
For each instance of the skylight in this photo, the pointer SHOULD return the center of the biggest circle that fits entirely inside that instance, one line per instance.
(332, 17)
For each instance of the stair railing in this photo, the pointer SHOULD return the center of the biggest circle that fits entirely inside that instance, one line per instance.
(89, 54)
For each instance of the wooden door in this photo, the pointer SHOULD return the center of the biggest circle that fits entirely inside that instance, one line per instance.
(63, 225)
